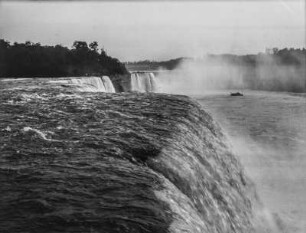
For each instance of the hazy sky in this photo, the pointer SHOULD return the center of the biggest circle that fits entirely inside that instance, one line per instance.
(158, 30)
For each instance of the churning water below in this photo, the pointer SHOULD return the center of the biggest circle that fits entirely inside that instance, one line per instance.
(268, 132)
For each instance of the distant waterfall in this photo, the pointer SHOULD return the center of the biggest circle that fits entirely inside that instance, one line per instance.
(143, 82)
(93, 84)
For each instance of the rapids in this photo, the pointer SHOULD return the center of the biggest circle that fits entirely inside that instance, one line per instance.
(75, 161)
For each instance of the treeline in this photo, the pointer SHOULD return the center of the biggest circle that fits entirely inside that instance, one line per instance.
(34, 60)
(284, 57)
(153, 65)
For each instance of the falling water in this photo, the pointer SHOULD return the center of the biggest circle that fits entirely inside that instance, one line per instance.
(93, 84)
(88, 84)
(153, 82)
(268, 132)
(143, 82)
(108, 84)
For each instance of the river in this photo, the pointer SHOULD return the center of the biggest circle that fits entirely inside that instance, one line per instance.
(267, 130)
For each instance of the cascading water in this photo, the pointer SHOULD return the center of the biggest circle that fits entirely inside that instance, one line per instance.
(93, 84)
(122, 163)
(143, 82)
(108, 84)
(153, 82)
(135, 84)
(126, 163)
(88, 84)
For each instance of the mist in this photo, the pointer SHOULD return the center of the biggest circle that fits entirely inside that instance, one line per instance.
(270, 72)
(198, 76)
(267, 131)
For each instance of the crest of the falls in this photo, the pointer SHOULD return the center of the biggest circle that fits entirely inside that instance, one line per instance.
(93, 84)
(143, 82)
(125, 162)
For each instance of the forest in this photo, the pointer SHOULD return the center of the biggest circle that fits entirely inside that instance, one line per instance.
(35, 60)
(148, 65)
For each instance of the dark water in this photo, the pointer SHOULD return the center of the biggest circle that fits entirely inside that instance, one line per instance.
(74, 161)
(268, 132)
(98, 162)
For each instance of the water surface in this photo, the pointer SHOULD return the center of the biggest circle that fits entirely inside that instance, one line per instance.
(268, 132)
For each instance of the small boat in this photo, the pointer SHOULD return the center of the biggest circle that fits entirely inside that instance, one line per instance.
(236, 94)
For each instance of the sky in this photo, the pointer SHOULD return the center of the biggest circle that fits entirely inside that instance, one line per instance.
(158, 30)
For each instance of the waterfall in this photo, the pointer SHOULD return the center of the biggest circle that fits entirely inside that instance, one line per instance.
(139, 86)
(135, 82)
(108, 84)
(153, 82)
(125, 163)
(93, 84)
(143, 82)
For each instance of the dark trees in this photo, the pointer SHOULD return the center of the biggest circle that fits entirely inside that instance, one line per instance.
(33, 60)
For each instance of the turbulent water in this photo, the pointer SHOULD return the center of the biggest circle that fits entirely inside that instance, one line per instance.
(75, 161)
(268, 132)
